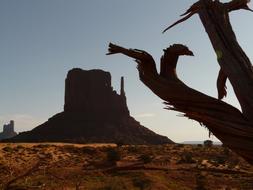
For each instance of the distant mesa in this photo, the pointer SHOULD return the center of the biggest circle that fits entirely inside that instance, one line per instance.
(200, 142)
(8, 131)
(93, 113)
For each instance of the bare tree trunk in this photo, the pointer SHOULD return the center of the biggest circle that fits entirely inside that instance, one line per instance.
(232, 59)
(232, 127)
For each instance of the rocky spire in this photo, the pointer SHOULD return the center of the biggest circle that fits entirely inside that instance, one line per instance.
(122, 91)
(8, 131)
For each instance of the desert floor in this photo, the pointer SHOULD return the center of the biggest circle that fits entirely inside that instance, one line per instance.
(130, 167)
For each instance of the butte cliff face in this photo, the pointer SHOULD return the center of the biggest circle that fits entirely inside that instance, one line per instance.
(93, 113)
(90, 92)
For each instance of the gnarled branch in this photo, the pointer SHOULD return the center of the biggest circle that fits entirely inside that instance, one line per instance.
(233, 61)
(222, 119)
(233, 128)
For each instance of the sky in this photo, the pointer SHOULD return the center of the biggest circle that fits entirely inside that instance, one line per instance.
(41, 40)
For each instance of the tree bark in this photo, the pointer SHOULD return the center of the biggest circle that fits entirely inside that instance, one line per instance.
(232, 59)
(233, 127)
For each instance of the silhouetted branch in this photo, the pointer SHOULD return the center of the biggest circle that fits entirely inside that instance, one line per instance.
(221, 84)
(218, 116)
(232, 59)
(233, 128)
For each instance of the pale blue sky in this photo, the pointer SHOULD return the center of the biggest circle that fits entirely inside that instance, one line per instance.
(40, 40)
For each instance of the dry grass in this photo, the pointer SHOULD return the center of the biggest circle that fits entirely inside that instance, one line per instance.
(92, 166)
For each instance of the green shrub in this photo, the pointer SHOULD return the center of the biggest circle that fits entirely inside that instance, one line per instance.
(208, 143)
(220, 160)
(232, 162)
(120, 143)
(133, 149)
(7, 149)
(42, 146)
(179, 145)
(20, 147)
(89, 150)
(141, 183)
(71, 149)
(145, 158)
(200, 182)
(115, 184)
(186, 157)
(113, 155)
(226, 151)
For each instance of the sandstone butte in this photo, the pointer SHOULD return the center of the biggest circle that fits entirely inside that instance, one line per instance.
(93, 113)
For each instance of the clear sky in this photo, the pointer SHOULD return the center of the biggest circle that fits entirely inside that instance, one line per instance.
(41, 40)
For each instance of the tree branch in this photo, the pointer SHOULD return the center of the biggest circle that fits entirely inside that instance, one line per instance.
(222, 119)
(233, 128)
(233, 61)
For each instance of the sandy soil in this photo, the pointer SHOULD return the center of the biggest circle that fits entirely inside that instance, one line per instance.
(111, 167)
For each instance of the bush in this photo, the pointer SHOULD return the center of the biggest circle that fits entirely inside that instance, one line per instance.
(41, 146)
(7, 149)
(133, 149)
(179, 145)
(89, 150)
(226, 151)
(208, 143)
(71, 149)
(186, 157)
(220, 160)
(141, 183)
(114, 184)
(113, 155)
(20, 147)
(200, 182)
(120, 143)
(145, 158)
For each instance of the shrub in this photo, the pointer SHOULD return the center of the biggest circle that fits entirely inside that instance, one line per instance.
(220, 160)
(41, 146)
(120, 143)
(145, 158)
(113, 155)
(226, 151)
(186, 157)
(114, 184)
(71, 149)
(208, 143)
(200, 182)
(232, 162)
(141, 183)
(133, 149)
(89, 150)
(20, 147)
(7, 149)
(180, 145)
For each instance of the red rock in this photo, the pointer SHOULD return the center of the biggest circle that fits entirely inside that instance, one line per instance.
(93, 113)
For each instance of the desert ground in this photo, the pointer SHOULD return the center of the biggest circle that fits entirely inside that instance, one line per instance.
(130, 167)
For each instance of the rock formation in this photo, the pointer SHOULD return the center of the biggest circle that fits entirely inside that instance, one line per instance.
(90, 92)
(8, 131)
(93, 113)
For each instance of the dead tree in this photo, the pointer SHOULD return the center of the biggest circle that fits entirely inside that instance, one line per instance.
(232, 126)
